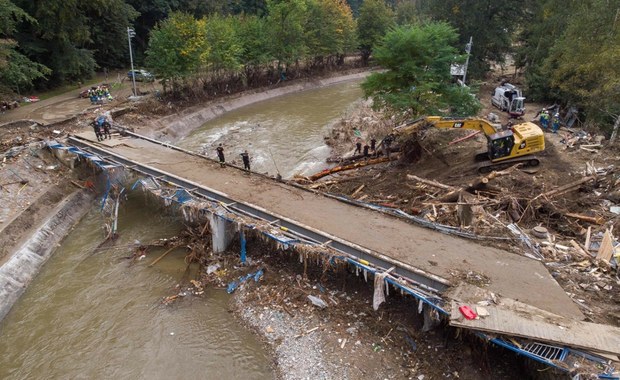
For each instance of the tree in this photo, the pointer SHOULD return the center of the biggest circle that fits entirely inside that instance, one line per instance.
(178, 48)
(225, 46)
(108, 20)
(492, 24)
(545, 24)
(252, 32)
(375, 20)
(408, 12)
(583, 63)
(417, 79)
(285, 24)
(330, 29)
(16, 70)
(59, 38)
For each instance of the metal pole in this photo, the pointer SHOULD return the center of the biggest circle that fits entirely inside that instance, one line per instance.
(131, 33)
(468, 50)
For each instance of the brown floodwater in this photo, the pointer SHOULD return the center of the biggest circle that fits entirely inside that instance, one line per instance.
(282, 134)
(90, 314)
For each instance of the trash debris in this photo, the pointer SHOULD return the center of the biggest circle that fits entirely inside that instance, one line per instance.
(213, 267)
(467, 312)
(317, 301)
(235, 284)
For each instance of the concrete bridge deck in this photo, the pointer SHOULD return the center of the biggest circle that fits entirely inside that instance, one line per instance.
(437, 254)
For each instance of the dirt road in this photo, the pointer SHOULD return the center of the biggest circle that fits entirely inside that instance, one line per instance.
(446, 256)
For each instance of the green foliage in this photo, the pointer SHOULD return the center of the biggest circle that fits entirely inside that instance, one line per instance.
(329, 28)
(109, 20)
(376, 18)
(417, 79)
(492, 24)
(252, 32)
(16, 70)
(583, 63)
(225, 46)
(178, 47)
(285, 24)
(408, 12)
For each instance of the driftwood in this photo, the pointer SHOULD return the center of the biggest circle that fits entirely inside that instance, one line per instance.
(607, 248)
(588, 236)
(585, 218)
(430, 182)
(163, 255)
(568, 187)
(356, 165)
(358, 190)
(580, 250)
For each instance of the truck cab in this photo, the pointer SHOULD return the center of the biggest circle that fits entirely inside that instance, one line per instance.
(508, 98)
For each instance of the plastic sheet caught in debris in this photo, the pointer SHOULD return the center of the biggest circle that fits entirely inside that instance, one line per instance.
(212, 268)
(235, 284)
(317, 301)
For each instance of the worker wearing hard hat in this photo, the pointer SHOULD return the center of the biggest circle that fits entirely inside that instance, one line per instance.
(555, 123)
(544, 119)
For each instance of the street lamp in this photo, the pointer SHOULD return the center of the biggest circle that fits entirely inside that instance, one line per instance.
(468, 51)
(132, 33)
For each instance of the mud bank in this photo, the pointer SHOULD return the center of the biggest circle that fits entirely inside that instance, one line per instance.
(176, 126)
(26, 261)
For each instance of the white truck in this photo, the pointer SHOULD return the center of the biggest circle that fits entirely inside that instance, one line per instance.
(509, 98)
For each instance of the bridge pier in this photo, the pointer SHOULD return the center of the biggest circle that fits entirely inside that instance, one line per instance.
(222, 233)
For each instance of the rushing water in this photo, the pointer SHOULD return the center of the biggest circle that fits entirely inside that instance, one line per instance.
(90, 314)
(283, 134)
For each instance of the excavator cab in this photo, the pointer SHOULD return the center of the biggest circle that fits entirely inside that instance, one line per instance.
(500, 144)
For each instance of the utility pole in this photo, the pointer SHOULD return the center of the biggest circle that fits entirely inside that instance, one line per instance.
(131, 33)
(467, 50)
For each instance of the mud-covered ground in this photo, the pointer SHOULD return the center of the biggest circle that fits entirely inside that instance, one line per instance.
(516, 196)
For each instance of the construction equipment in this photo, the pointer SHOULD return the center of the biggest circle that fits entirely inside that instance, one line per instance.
(508, 97)
(505, 148)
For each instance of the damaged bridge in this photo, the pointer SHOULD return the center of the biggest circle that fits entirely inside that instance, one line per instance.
(426, 263)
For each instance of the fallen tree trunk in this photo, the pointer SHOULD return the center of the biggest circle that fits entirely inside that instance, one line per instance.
(585, 218)
(567, 187)
(356, 165)
(430, 182)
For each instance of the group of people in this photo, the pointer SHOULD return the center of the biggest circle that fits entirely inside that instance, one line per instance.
(98, 94)
(102, 127)
(245, 157)
(366, 149)
(545, 119)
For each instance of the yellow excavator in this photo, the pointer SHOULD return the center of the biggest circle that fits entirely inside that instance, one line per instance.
(516, 145)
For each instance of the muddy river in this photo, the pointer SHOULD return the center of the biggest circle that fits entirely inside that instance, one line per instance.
(91, 314)
(283, 134)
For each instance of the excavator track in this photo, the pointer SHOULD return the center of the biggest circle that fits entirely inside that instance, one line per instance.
(526, 161)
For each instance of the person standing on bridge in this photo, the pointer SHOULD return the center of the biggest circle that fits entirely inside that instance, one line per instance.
(246, 160)
(97, 129)
(220, 155)
(373, 145)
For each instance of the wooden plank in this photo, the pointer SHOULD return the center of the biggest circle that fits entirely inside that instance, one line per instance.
(607, 247)
(514, 318)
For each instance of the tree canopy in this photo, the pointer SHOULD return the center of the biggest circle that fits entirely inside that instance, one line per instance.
(568, 49)
(417, 79)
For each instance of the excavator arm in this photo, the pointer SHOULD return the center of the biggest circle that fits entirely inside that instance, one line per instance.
(447, 122)
(508, 147)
